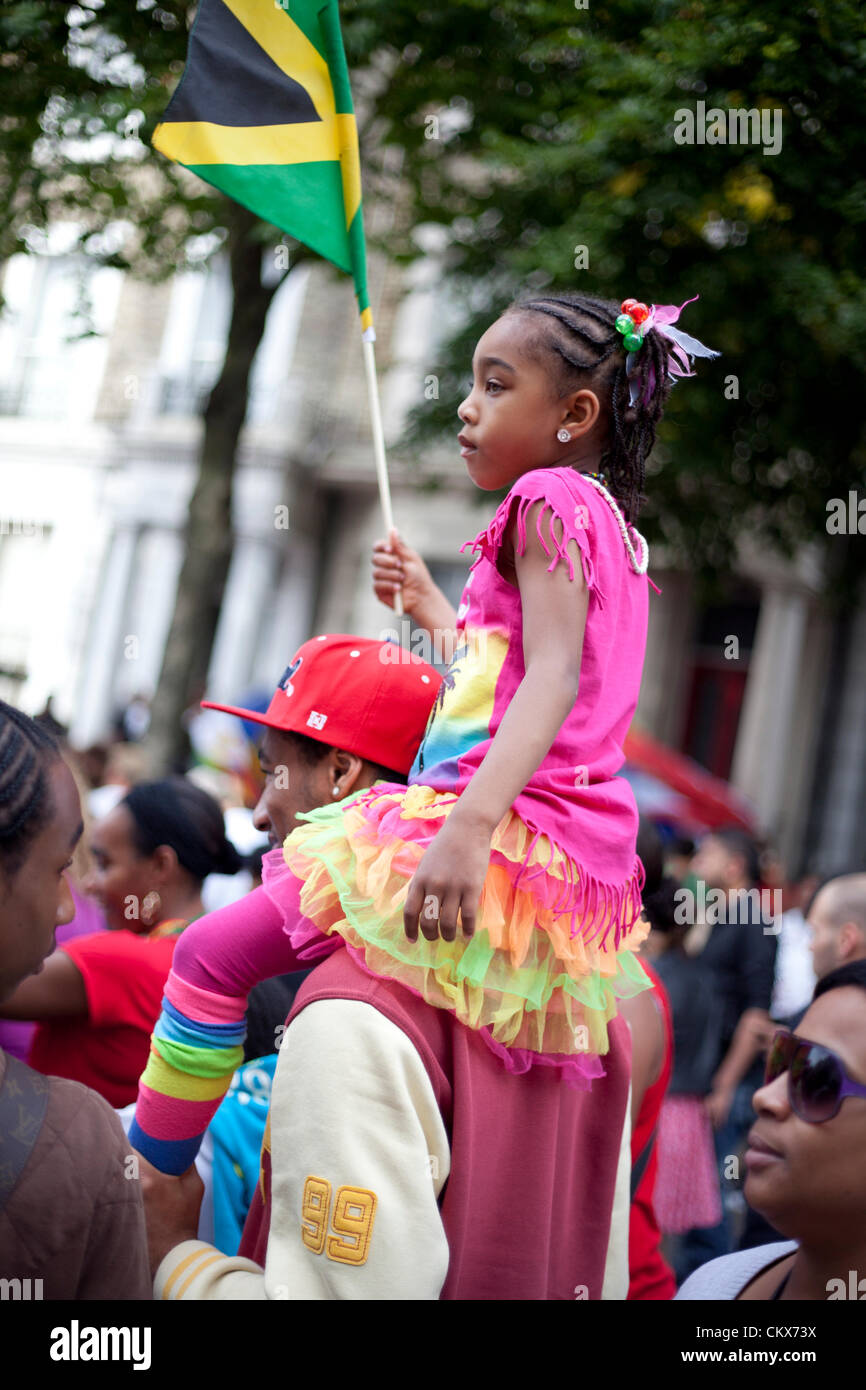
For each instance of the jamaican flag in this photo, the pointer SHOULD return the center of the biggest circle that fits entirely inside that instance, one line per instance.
(264, 113)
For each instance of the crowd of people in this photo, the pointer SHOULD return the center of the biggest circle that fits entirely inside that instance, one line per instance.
(92, 1006)
(468, 1029)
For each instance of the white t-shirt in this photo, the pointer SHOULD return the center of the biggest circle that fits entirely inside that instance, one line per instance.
(726, 1277)
(795, 974)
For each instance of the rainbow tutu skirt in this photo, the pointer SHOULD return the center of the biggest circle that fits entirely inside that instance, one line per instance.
(553, 949)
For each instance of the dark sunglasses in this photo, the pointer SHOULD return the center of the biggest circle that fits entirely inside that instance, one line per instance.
(817, 1081)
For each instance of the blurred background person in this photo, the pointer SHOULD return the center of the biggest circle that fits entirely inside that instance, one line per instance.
(687, 1190)
(98, 997)
(741, 956)
(125, 766)
(837, 923)
(649, 1019)
(92, 762)
(133, 721)
(679, 854)
(219, 890)
(738, 950)
(795, 975)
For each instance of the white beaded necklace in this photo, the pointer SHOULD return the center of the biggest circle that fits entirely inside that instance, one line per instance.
(641, 565)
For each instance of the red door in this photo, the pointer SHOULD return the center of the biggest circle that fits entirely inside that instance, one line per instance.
(714, 713)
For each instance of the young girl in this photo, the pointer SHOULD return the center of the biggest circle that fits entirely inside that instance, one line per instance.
(514, 827)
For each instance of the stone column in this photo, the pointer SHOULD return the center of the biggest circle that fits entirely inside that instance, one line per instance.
(663, 689)
(291, 613)
(843, 834)
(95, 703)
(763, 748)
(153, 590)
(792, 829)
(249, 592)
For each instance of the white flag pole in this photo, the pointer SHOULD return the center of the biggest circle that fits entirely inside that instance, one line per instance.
(379, 446)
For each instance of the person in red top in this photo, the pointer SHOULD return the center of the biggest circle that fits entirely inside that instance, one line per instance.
(651, 1023)
(650, 1277)
(96, 999)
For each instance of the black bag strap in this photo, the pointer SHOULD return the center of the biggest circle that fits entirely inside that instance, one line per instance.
(23, 1103)
(639, 1166)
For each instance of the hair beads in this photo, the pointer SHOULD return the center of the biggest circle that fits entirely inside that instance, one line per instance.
(629, 323)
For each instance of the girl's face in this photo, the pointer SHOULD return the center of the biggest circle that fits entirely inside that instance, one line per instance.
(511, 416)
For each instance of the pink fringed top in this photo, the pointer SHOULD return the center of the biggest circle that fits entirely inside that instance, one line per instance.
(575, 797)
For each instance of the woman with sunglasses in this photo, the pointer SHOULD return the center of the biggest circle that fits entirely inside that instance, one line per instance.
(804, 1158)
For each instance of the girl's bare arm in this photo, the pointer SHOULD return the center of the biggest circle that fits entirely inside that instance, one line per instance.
(450, 876)
(554, 620)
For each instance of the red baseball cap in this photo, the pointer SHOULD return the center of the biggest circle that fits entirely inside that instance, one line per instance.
(370, 698)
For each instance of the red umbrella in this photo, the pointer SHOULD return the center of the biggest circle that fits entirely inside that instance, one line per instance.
(710, 802)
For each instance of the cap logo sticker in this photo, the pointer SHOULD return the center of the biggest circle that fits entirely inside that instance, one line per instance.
(316, 720)
(286, 679)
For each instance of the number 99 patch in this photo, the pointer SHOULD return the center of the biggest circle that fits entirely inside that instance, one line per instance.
(351, 1223)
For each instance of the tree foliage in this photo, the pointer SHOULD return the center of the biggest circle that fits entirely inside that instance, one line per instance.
(564, 137)
(86, 84)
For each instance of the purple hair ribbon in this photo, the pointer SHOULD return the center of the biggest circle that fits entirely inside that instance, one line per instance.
(681, 348)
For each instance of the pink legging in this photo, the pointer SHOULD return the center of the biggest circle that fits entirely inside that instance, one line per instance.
(198, 1040)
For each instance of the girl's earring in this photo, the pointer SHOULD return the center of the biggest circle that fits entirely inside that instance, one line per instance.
(150, 905)
(335, 792)
(563, 436)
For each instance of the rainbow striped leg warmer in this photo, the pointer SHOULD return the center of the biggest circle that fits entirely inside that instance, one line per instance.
(197, 1043)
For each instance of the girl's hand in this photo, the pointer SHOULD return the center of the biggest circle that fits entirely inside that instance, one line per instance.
(448, 880)
(396, 566)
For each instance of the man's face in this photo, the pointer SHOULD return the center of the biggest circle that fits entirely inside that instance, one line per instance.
(37, 899)
(290, 786)
(813, 1182)
(825, 943)
(714, 863)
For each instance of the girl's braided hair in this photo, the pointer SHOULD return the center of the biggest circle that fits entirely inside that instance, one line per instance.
(580, 337)
(27, 750)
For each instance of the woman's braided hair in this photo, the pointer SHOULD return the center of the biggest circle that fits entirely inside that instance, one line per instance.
(27, 750)
(581, 338)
